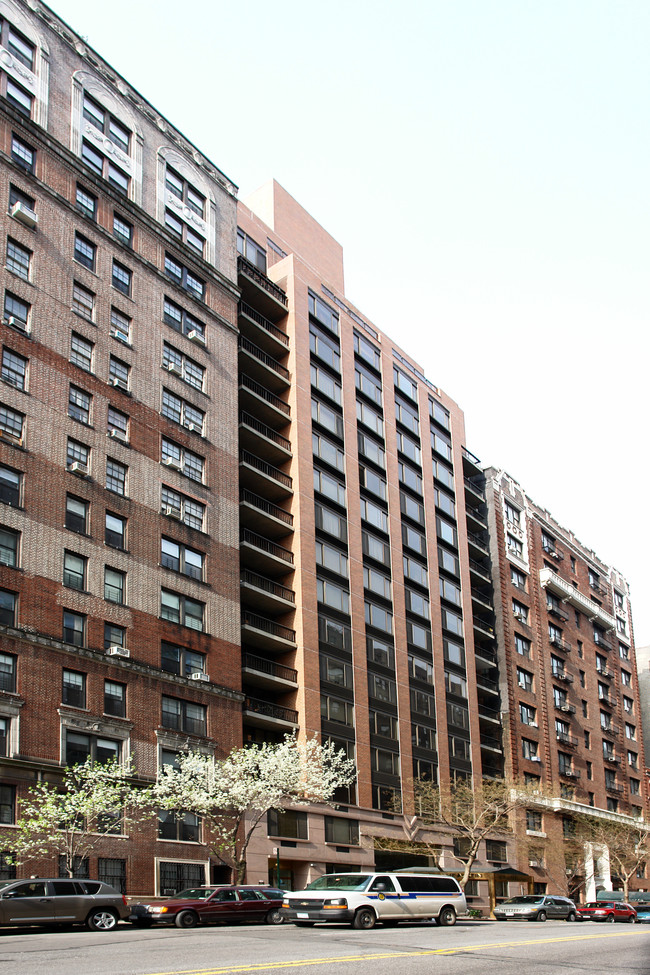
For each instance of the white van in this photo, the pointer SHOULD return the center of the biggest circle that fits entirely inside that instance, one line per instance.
(362, 899)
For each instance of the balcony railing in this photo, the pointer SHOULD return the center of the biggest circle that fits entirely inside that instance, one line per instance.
(569, 740)
(277, 333)
(608, 700)
(563, 676)
(263, 357)
(613, 787)
(268, 626)
(487, 741)
(247, 497)
(245, 457)
(477, 541)
(560, 644)
(569, 773)
(266, 545)
(553, 552)
(271, 710)
(483, 624)
(554, 610)
(271, 669)
(604, 674)
(601, 590)
(487, 682)
(476, 489)
(264, 394)
(611, 730)
(479, 569)
(565, 706)
(260, 278)
(250, 421)
(602, 643)
(486, 653)
(472, 458)
(267, 585)
(550, 579)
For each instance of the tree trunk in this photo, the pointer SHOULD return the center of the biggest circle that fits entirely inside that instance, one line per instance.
(240, 871)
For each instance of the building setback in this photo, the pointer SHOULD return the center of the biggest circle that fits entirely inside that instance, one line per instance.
(568, 670)
(118, 479)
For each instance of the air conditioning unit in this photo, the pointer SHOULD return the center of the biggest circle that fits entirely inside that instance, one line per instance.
(120, 338)
(565, 707)
(171, 512)
(117, 435)
(205, 678)
(116, 651)
(195, 336)
(194, 427)
(534, 863)
(173, 463)
(119, 383)
(76, 467)
(26, 216)
(520, 618)
(13, 322)
(175, 368)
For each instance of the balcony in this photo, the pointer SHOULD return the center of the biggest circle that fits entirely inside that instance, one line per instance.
(565, 707)
(560, 644)
(491, 744)
(264, 477)
(480, 570)
(486, 683)
(264, 516)
(267, 595)
(263, 439)
(602, 643)
(259, 672)
(478, 543)
(483, 626)
(604, 674)
(610, 730)
(489, 714)
(613, 787)
(260, 291)
(264, 404)
(264, 554)
(553, 552)
(563, 676)
(471, 463)
(569, 741)
(474, 488)
(268, 370)
(267, 335)
(262, 714)
(266, 634)
(602, 591)
(569, 773)
(486, 655)
(483, 598)
(477, 517)
(607, 700)
(551, 580)
(553, 609)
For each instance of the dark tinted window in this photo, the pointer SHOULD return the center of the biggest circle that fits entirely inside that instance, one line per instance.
(247, 895)
(429, 885)
(90, 887)
(63, 888)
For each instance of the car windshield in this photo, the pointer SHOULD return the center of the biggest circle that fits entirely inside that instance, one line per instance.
(194, 893)
(598, 904)
(529, 899)
(340, 881)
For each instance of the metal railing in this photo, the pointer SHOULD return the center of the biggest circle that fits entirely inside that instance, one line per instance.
(267, 585)
(245, 457)
(250, 421)
(271, 669)
(245, 309)
(271, 710)
(268, 626)
(260, 278)
(264, 394)
(266, 545)
(263, 357)
(247, 497)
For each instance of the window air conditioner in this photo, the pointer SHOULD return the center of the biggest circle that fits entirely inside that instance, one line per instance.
(119, 383)
(195, 336)
(171, 512)
(26, 216)
(115, 651)
(175, 368)
(205, 678)
(117, 435)
(173, 463)
(76, 467)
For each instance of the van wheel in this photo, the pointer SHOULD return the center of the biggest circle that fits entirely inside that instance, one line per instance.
(447, 917)
(364, 919)
(541, 916)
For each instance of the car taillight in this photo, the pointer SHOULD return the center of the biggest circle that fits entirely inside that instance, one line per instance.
(124, 901)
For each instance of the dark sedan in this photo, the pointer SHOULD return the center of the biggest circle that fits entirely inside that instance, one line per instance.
(209, 905)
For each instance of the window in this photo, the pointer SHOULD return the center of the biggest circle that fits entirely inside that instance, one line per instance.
(74, 628)
(341, 831)
(380, 652)
(367, 384)
(409, 448)
(17, 196)
(454, 653)
(525, 680)
(377, 582)
(180, 411)
(122, 278)
(74, 689)
(80, 747)
(515, 546)
(518, 578)
(115, 531)
(411, 508)
(190, 464)
(185, 509)
(330, 522)
(334, 633)
(114, 699)
(446, 532)
(287, 822)
(441, 444)
(10, 486)
(626, 677)
(181, 661)
(11, 424)
(528, 715)
(522, 645)
(76, 514)
(180, 609)
(365, 350)
(120, 326)
(331, 558)
(74, 571)
(519, 611)
(7, 804)
(77, 453)
(333, 595)
(384, 725)
(324, 347)
(81, 352)
(106, 123)
(83, 301)
(16, 312)
(330, 486)
(86, 202)
(116, 474)
(382, 689)
(7, 672)
(513, 515)
(184, 716)
(452, 622)
(319, 310)
(188, 370)
(418, 636)
(85, 252)
(455, 684)
(79, 405)
(623, 651)
(630, 731)
(416, 603)
(379, 617)
(407, 416)
(119, 373)
(184, 277)
(449, 591)
(114, 586)
(496, 850)
(181, 558)
(181, 321)
(423, 702)
(23, 154)
(529, 750)
(114, 636)
(415, 571)
(18, 259)
(14, 369)
(370, 418)
(122, 230)
(117, 424)
(374, 514)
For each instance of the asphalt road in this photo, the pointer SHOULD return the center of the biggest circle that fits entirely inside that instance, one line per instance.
(469, 948)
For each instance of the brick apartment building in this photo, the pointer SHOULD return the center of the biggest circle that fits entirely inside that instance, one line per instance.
(364, 547)
(119, 601)
(568, 671)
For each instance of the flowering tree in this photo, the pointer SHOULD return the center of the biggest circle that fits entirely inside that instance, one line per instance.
(627, 843)
(234, 794)
(70, 820)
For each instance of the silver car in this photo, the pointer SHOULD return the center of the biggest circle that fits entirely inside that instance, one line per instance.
(536, 907)
(62, 901)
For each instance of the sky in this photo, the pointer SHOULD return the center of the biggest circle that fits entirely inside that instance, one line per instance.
(485, 165)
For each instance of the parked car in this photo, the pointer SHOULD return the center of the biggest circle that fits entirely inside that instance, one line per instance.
(607, 911)
(642, 909)
(61, 901)
(536, 907)
(209, 905)
(362, 899)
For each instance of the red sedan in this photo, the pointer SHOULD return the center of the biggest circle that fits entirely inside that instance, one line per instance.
(607, 911)
(209, 905)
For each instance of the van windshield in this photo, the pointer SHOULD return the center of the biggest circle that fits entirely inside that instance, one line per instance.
(341, 881)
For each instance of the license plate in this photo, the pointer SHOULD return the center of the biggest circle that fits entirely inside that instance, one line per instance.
(299, 914)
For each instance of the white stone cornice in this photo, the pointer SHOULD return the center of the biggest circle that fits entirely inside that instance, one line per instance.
(551, 580)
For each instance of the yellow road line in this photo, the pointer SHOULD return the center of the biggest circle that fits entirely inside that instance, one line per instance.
(377, 956)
